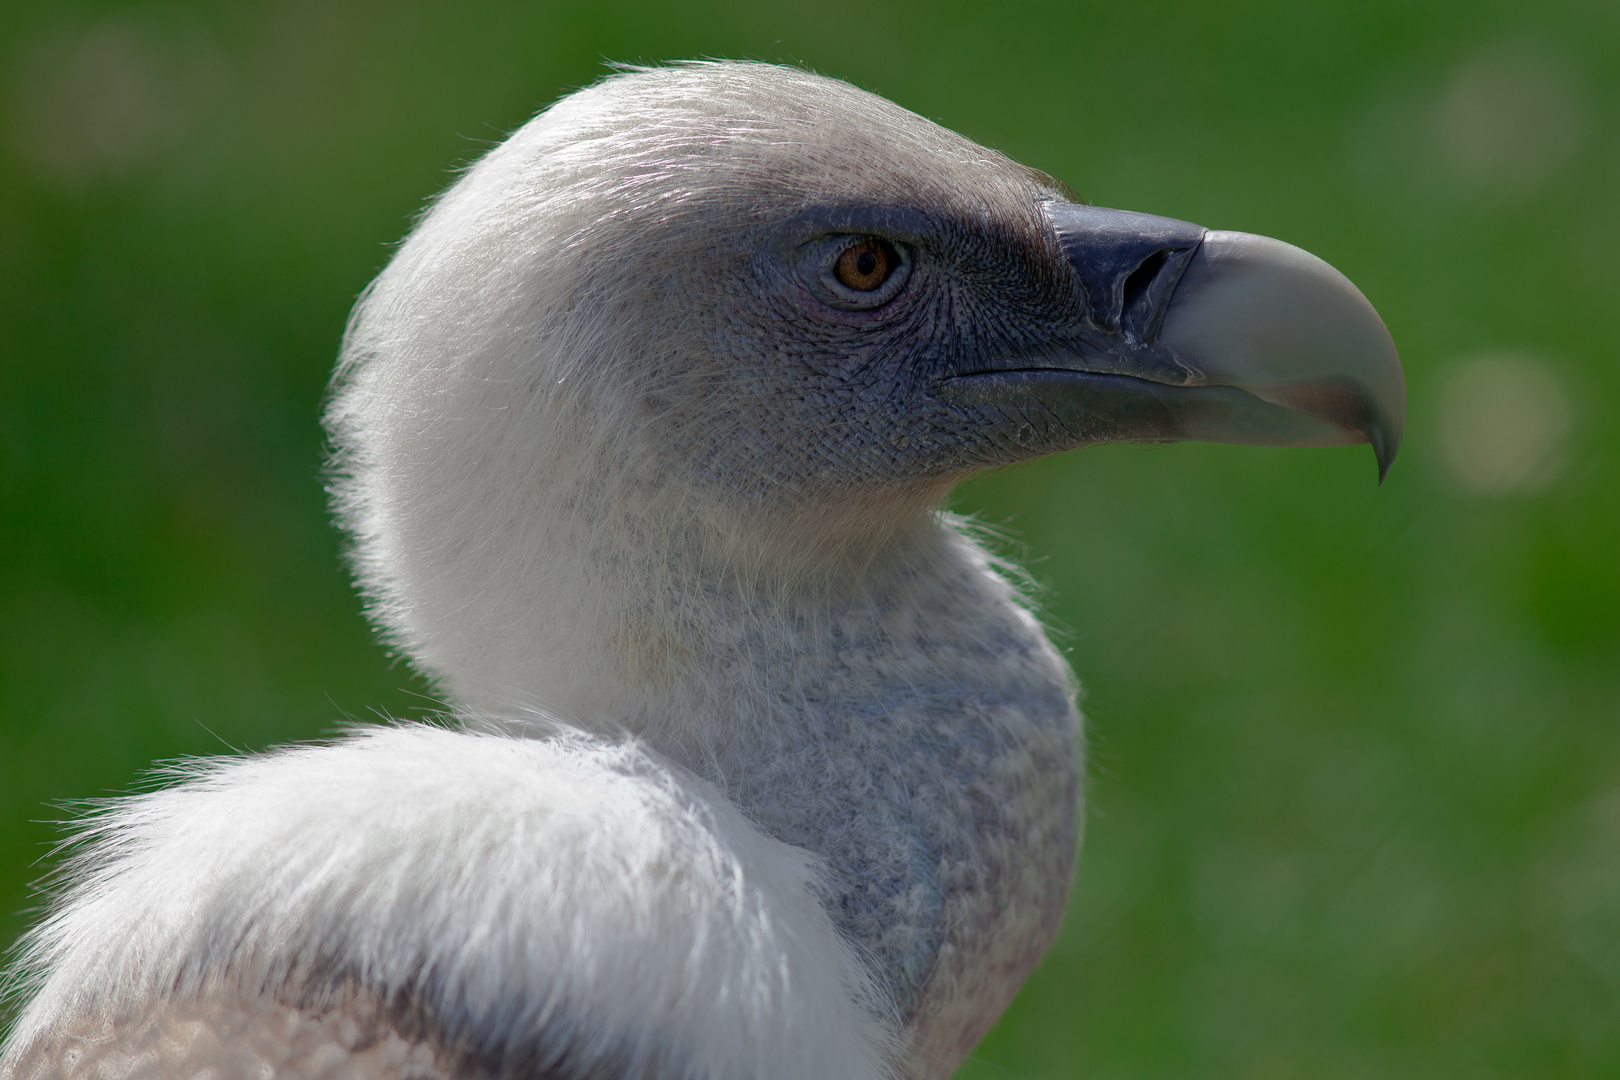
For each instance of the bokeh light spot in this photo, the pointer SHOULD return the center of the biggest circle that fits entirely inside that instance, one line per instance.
(1510, 118)
(1505, 421)
(1494, 129)
(104, 101)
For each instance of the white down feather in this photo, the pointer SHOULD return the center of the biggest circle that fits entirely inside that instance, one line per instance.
(567, 885)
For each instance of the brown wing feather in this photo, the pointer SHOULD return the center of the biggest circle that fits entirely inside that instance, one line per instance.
(235, 1038)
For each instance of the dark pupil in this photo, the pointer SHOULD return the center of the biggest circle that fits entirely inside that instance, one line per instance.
(865, 263)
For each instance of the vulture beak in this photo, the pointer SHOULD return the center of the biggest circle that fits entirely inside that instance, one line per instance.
(1193, 334)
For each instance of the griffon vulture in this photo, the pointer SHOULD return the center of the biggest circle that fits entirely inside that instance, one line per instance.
(756, 765)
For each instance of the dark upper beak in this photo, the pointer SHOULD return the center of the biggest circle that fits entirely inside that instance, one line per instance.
(1192, 334)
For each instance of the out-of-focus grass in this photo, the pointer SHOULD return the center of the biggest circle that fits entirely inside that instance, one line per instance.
(1355, 800)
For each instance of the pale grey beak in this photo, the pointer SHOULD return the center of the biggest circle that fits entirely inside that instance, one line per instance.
(1277, 322)
(1192, 334)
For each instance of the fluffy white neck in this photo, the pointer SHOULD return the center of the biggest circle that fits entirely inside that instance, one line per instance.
(686, 631)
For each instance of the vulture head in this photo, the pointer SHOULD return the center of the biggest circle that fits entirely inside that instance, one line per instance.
(733, 326)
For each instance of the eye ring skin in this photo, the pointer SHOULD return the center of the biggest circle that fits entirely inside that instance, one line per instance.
(818, 265)
(805, 237)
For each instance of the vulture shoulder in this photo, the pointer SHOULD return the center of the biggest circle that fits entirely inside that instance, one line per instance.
(567, 907)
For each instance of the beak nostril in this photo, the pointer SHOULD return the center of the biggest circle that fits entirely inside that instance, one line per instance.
(1145, 294)
(1128, 264)
(1136, 286)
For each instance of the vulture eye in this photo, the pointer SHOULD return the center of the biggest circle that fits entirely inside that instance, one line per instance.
(855, 272)
(866, 264)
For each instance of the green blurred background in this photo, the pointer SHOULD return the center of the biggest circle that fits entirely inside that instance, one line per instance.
(1355, 808)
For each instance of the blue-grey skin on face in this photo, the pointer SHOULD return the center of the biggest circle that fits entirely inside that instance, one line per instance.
(974, 343)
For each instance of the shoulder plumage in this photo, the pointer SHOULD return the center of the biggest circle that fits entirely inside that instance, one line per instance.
(523, 902)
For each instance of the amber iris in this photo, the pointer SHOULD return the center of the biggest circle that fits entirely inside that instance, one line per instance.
(866, 265)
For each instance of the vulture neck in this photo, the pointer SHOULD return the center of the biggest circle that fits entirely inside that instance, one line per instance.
(691, 629)
(883, 701)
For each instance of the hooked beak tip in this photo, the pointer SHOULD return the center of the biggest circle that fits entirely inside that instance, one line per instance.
(1264, 316)
(1384, 450)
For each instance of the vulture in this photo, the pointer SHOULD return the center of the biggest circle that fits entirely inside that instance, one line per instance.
(755, 762)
